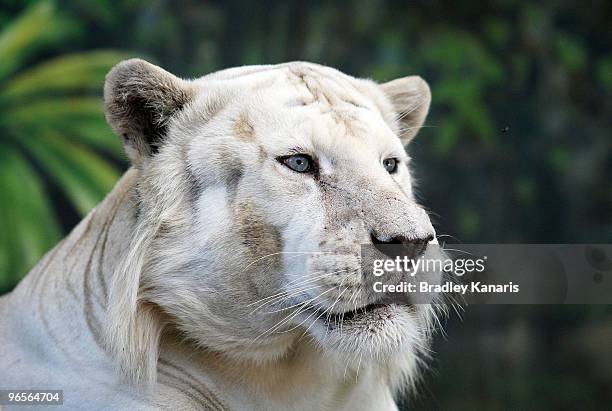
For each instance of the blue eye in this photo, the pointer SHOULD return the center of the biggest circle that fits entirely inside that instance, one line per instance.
(390, 164)
(300, 163)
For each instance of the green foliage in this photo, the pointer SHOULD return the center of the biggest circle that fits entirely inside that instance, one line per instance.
(50, 120)
(28, 225)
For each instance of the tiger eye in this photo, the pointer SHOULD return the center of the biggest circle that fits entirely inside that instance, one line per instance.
(300, 163)
(390, 164)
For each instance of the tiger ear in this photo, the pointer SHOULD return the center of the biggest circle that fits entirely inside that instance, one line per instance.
(410, 97)
(139, 100)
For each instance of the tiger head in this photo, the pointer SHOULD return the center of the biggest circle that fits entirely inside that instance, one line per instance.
(257, 188)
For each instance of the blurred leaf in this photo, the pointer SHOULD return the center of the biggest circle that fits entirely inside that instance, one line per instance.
(446, 137)
(571, 52)
(497, 30)
(53, 111)
(459, 53)
(520, 68)
(469, 222)
(526, 190)
(463, 99)
(69, 73)
(35, 28)
(96, 134)
(29, 228)
(604, 72)
(560, 158)
(85, 177)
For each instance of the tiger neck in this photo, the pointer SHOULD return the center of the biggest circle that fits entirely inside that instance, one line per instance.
(71, 282)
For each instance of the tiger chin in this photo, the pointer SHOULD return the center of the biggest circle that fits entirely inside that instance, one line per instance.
(223, 271)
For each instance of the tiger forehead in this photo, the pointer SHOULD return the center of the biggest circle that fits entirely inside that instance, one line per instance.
(337, 97)
(314, 84)
(243, 126)
(325, 88)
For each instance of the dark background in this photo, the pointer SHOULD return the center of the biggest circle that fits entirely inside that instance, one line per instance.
(517, 147)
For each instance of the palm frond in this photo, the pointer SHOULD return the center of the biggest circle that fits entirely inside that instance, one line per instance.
(84, 176)
(53, 111)
(51, 119)
(95, 134)
(37, 27)
(29, 227)
(79, 72)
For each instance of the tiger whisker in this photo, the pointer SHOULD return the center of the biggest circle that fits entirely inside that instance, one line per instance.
(295, 305)
(288, 293)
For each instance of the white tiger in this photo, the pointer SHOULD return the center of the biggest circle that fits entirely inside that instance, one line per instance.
(223, 270)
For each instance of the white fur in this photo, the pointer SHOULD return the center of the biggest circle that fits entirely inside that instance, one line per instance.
(213, 246)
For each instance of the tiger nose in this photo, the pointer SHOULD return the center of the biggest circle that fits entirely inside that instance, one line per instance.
(400, 245)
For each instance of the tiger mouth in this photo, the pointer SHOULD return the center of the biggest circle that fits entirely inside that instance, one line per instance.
(375, 311)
